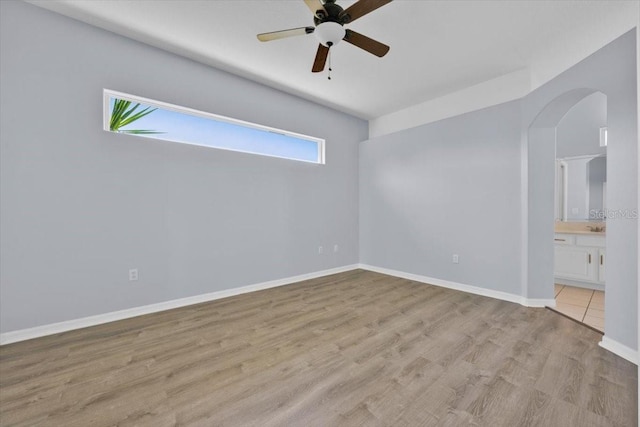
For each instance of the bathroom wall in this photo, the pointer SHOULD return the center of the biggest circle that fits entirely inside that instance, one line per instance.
(597, 173)
(578, 133)
(577, 189)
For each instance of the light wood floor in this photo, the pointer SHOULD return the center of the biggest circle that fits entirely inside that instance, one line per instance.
(358, 348)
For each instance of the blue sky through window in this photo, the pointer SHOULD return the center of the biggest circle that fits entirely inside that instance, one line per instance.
(191, 129)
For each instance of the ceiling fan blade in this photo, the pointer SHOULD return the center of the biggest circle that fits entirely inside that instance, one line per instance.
(265, 37)
(364, 42)
(361, 8)
(321, 58)
(315, 5)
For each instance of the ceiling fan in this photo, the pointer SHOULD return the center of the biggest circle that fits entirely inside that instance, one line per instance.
(329, 20)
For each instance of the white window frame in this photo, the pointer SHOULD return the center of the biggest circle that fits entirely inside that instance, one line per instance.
(108, 94)
(604, 136)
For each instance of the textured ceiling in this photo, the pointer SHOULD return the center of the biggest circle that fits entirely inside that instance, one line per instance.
(437, 47)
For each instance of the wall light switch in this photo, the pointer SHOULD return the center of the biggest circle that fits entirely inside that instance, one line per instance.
(133, 274)
(455, 259)
(320, 250)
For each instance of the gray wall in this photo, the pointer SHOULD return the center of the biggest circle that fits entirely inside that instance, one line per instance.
(80, 206)
(579, 130)
(452, 186)
(540, 154)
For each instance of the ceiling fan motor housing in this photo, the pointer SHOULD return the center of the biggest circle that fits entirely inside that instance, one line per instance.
(332, 14)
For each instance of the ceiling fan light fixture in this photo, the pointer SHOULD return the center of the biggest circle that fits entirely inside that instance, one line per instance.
(329, 18)
(329, 33)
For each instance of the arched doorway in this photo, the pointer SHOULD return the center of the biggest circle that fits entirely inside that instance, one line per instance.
(539, 210)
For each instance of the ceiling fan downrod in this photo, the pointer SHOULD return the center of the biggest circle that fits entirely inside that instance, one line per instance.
(329, 55)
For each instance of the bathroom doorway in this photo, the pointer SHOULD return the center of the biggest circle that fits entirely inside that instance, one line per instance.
(580, 211)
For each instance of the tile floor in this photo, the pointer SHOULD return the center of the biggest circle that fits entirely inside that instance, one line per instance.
(584, 305)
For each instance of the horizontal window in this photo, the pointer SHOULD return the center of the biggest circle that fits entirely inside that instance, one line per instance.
(134, 115)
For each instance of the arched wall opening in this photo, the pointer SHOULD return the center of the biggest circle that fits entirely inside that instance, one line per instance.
(541, 155)
(612, 71)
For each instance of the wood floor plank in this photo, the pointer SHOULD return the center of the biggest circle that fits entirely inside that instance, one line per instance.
(356, 348)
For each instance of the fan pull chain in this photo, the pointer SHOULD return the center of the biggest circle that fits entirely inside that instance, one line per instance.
(329, 72)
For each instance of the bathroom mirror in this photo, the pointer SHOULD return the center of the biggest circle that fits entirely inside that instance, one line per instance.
(581, 187)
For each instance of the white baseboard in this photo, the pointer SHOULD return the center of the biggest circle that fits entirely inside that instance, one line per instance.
(538, 302)
(619, 349)
(578, 284)
(505, 296)
(68, 325)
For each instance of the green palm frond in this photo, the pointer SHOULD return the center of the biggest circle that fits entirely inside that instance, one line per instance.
(124, 114)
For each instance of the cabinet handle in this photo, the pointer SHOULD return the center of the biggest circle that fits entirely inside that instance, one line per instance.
(601, 259)
(560, 240)
(589, 258)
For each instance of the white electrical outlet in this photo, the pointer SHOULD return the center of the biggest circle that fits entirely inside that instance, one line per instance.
(335, 248)
(133, 274)
(456, 259)
(320, 250)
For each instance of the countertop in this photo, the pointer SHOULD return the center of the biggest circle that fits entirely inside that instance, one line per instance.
(593, 233)
(580, 227)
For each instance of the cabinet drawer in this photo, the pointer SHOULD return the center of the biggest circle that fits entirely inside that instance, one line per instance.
(564, 239)
(593, 241)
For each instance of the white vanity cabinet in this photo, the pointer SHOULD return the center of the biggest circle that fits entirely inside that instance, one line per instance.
(580, 258)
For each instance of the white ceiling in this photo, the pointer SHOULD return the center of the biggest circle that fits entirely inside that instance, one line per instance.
(437, 47)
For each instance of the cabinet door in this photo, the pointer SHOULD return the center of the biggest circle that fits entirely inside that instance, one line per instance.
(577, 263)
(602, 260)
